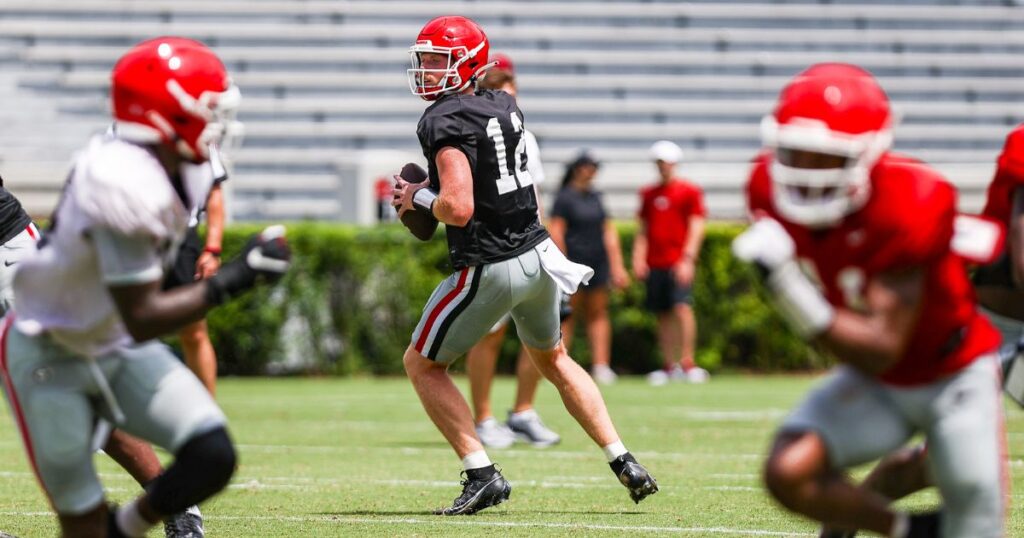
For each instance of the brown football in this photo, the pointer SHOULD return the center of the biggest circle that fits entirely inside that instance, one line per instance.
(420, 222)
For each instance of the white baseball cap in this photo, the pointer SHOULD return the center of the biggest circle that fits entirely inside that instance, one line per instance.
(663, 150)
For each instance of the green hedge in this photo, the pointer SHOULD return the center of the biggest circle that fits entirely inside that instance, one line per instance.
(355, 295)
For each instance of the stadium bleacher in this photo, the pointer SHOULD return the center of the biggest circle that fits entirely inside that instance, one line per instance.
(324, 84)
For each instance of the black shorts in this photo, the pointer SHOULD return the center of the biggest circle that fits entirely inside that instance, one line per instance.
(602, 274)
(183, 271)
(663, 293)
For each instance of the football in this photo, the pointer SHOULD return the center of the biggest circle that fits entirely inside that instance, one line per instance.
(419, 221)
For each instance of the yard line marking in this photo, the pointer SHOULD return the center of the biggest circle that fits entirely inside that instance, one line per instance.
(299, 483)
(533, 453)
(454, 522)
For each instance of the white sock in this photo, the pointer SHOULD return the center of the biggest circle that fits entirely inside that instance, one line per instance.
(900, 526)
(614, 450)
(476, 460)
(131, 522)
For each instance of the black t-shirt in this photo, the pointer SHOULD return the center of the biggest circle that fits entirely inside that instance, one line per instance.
(584, 216)
(13, 219)
(488, 128)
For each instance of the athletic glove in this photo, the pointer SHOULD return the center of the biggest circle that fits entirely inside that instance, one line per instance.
(265, 258)
(767, 245)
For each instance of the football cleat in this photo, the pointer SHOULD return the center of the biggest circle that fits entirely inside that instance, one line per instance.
(478, 494)
(635, 477)
(529, 428)
(187, 524)
(494, 434)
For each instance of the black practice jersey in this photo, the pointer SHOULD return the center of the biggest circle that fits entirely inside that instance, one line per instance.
(13, 219)
(488, 127)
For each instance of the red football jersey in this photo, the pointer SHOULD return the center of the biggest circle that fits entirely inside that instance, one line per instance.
(665, 210)
(1009, 176)
(906, 223)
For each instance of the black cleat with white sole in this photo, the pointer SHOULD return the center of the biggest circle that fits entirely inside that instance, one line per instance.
(478, 493)
(637, 480)
(187, 524)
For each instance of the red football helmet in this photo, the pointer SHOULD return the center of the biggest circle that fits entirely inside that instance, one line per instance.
(465, 45)
(175, 91)
(832, 109)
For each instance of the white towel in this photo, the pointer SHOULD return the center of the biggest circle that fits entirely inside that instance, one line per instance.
(568, 275)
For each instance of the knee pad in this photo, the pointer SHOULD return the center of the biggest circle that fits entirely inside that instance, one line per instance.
(202, 467)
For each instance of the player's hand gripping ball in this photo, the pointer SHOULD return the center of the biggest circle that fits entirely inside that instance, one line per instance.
(419, 221)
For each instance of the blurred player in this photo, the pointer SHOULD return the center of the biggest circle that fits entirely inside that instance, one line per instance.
(854, 245)
(480, 187)
(523, 421)
(1000, 285)
(18, 236)
(999, 293)
(80, 346)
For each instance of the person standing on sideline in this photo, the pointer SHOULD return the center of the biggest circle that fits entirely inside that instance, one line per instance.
(199, 260)
(580, 226)
(479, 186)
(523, 423)
(665, 255)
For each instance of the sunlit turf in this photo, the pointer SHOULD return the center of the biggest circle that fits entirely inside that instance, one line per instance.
(358, 457)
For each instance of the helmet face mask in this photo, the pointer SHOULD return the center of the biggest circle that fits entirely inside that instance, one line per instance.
(831, 126)
(446, 79)
(463, 46)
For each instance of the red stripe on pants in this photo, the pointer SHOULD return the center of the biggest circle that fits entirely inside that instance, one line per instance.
(437, 310)
(19, 416)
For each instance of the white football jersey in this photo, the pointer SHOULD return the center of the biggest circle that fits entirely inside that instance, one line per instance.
(118, 191)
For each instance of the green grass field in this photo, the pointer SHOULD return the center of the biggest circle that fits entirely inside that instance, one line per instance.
(358, 457)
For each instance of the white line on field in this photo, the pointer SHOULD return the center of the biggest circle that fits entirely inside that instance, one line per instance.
(535, 453)
(462, 522)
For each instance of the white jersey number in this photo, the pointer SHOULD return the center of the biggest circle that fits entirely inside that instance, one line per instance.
(519, 177)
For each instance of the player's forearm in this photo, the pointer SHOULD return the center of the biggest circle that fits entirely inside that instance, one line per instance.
(215, 219)
(152, 313)
(866, 343)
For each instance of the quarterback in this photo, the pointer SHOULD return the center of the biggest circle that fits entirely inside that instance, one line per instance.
(479, 185)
